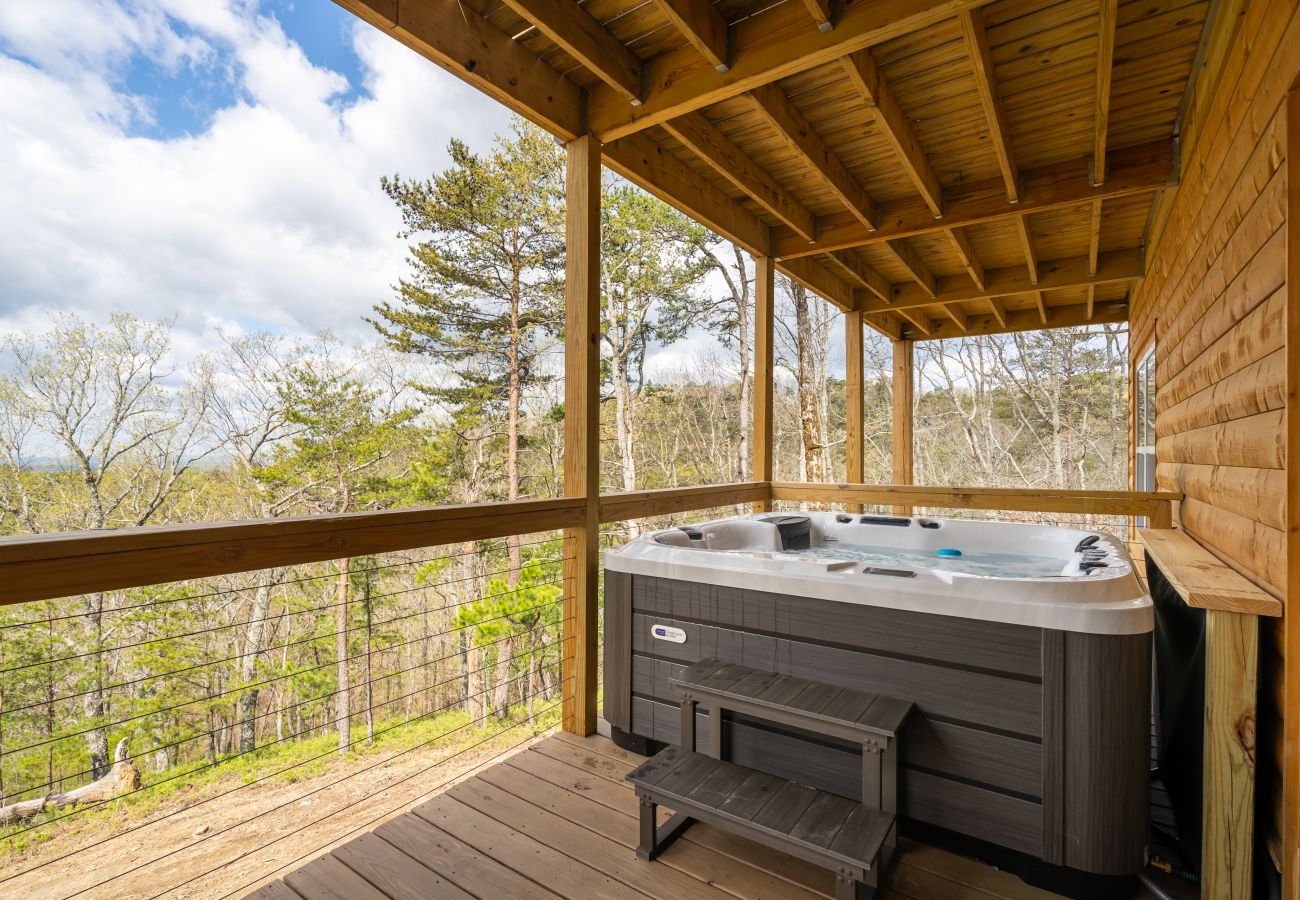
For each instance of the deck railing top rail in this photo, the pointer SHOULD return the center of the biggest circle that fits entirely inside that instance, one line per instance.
(59, 565)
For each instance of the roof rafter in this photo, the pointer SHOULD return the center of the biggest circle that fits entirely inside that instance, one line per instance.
(821, 281)
(1024, 320)
(1136, 170)
(977, 47)
(799, 136)
(700, 23)
(1118, 266)
(916, 269)
(1027, 244)
(1094, 236)
(586, 40)
(865, 75)
(769, 46)
(733, 164)
(1107, 12)
(999, 310)
(861, 274)
(476, 51)
(918, 318)
(966, 250)
(959, 318)
(1042, 306)
(820, 10)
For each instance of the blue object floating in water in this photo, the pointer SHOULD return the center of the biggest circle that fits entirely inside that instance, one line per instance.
(948, 551)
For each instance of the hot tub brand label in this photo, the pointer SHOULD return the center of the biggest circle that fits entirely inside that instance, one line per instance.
(668, 633)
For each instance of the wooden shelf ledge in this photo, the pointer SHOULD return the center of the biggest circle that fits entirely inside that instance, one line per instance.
(1201, 578)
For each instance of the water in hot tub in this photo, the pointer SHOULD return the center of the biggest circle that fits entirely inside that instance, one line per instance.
(997, 565)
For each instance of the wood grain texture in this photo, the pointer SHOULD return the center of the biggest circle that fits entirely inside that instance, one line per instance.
(581, 433)
(1228, 815)
(586, 40)
(1288, 761)
(700, 23)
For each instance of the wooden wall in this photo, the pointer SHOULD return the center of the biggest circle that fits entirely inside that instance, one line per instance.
(1214, 300)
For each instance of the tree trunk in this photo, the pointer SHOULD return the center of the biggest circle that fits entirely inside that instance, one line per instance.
(370, 684)
(252, 649)
(94, 704)
(512, 427)
(501, 690)
(341, 649)
(810, 419)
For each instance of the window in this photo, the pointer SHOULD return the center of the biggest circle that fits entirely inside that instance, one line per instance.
(1144, 422)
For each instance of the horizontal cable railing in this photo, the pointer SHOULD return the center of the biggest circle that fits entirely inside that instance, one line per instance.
(275, 706)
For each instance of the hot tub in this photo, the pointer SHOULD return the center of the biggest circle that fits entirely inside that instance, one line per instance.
(1026, 649)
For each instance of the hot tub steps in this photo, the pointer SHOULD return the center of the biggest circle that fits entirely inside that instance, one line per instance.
(823, 828)
(856, 839)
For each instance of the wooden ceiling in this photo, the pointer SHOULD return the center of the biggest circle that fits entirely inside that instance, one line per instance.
(948, 167)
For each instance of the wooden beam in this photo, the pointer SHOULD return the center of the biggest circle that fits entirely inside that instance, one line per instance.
(771, 45)
(1227, 808)
(1107, 12)
(864, 74)
(959, 318)
(764, 370)
(474, 50)
(1091, 304)
(1027, 245)
(65, 564)
(919, 319)
(902, 409)
(861, 274)
(916, 269)
(700, 23)
(887, 324)
(1291, 623)
(1091, 503)
(999, 310)
(820, 10)
(645, 163)
(718, 150)
(977, 48)
(662, 501)
(1022, 320)
(1202, 579)
(1117, 266)
(1042, 306)
(854, 408)
(1094, 237)
(1133, 171)
(794, 130)
(581, 433)
(821, 281)
(966, 250)
(578, 33)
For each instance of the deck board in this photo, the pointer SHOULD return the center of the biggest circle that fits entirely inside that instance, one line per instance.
(558, 820)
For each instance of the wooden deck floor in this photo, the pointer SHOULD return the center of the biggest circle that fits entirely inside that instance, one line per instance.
(557, 820)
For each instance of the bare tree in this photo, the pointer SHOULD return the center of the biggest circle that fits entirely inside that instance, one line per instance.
(126, 427)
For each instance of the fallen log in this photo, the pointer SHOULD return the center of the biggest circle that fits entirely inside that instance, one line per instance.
(121, 779)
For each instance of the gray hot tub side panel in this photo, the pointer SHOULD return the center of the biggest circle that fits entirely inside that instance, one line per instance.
(1003, 711)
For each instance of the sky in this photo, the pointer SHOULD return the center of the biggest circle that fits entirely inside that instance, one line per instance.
(217, 161)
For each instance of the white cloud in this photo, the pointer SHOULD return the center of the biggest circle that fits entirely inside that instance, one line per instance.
(271, 217)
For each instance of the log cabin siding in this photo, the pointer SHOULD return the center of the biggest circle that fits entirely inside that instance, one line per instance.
(1214, 300)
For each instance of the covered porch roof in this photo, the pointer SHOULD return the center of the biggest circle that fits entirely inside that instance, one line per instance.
(945, 167)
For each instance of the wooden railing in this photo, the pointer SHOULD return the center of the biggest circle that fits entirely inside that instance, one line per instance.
(46, 566)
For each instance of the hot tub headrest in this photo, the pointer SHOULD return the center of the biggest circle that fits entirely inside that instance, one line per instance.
(795, 531)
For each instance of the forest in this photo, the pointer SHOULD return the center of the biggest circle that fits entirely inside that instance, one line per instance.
(455, 398)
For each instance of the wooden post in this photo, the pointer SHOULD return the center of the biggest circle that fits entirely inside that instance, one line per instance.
(1291, 623)
(853, 409)
(1228, 807)
(764, 319)
(902, 407)
(581, 431)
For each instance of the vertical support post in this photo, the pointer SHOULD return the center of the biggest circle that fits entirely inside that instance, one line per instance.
(581, 431)
(1291, 622)
(1228, 808)
(854, 467)
(764, 333)
(903, 377)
